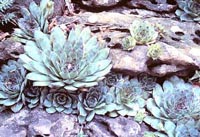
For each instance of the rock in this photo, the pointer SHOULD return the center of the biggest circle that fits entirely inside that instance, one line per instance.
(158, 6)
(100, 3)
(37, 122)
(10, 49)
(133, 62)
(114, 127)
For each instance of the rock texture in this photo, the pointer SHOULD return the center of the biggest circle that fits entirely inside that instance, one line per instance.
(38, 123)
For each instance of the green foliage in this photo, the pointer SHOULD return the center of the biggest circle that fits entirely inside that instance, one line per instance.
(76, 62)
(95, 101)
(34, 96)
(12, 84)
(128, 43)
(143, 32)
(34, 18)
(129, 98)
(59, 100)
(154, 51)
(6, 16)
(189, 10)
(177, 100)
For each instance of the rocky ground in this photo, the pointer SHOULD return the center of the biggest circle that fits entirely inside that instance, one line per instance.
(109, 21)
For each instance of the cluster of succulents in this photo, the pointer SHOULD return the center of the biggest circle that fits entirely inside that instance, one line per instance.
(189, 10)
(171, 104)
(6, 16)
(142, 33)
(34, 18)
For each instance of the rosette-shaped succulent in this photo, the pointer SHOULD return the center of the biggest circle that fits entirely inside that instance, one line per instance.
(128, 43)
(76, 62)
(59, 100)
(34, 18)
(112, 79)
(148, 82)
(154, 51)
(171, 103)
(143, 32)
(34, 96)
(188, 128)
(12, 84)
(189, 10)
(129, 98)
(95, 101)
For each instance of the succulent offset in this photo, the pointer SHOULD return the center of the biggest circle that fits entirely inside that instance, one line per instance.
(154, 51)
(59, 100)
(189, 10)
(76, 62)
(129, 98)
(112, 78)
(147, 82)
(12, 84)
(95, 101)
(34, 18)
(128, 43)
(173, 102)
(34, 96)
(143, 32)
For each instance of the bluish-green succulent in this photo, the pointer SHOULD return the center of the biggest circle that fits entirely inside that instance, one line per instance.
(34, 96)
(76, 62)
(34, 18)
(147, 82)
(112, 78)
(129, 98)
(12, 84)
(95, 101)
(175, 101)
(60, 100)
(189, 10)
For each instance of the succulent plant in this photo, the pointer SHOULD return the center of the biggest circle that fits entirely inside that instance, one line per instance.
(34, 18)
(112, 79)
(60, 100)
(74, 63)
(154, 51)
(6, 16)
(128, 43)
(188, 128)
(12, 84)
(175, 101)
(129, 97)
(143, 32)
(189, 10)
(95, 101)
(148, 82)
(34, 96)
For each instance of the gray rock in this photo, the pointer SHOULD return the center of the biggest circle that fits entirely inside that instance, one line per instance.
(114, 127)
(100, 3)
